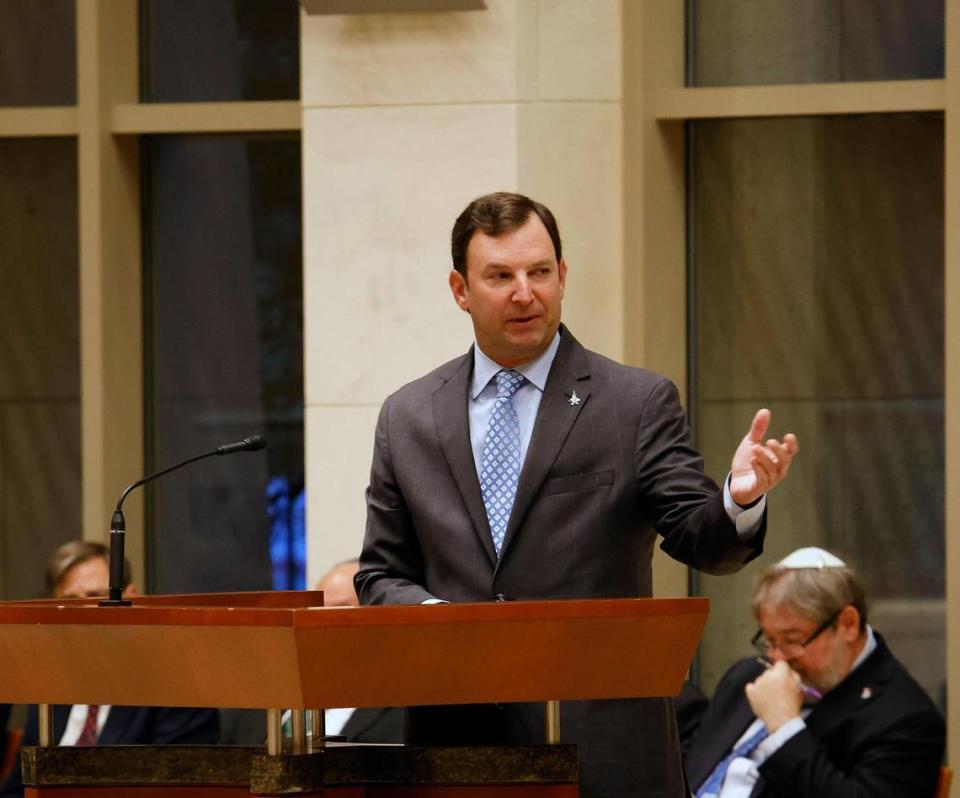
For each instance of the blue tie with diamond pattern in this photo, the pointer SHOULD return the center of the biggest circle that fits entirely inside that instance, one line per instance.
(500, 459)
(714, 783)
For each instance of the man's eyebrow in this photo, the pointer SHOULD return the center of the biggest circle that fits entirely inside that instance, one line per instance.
(534, 265)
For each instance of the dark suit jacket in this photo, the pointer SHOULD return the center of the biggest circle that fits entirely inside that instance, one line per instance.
(126, 726)
(374, 725)
(599, 477)
(876, 734)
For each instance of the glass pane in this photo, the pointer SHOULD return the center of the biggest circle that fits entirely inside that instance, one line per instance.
(818, 283)
(39, 359)
(220, 50)
(225, 354)
(38, 52)
(759, 42)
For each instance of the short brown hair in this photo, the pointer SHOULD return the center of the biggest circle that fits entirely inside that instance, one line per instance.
(494, 214)
(75, 552)
(814, 593)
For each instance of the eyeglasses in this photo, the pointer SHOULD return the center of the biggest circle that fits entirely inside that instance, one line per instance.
(790, 650)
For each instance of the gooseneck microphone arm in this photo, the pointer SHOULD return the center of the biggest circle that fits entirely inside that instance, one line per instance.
(118, 524)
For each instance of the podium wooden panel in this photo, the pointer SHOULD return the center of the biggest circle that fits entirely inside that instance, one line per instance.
(186, 651)
(285, 650)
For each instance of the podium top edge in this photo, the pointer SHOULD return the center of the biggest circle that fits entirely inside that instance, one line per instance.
(253, 610)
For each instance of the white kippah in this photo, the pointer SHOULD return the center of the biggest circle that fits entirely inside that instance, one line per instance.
(811, 557)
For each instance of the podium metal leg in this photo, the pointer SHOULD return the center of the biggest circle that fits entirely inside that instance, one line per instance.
(274, 736)
(318, 728)
(553, 722)
(299, 731)
(46, 725)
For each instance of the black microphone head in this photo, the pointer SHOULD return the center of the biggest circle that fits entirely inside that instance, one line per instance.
(252, 444)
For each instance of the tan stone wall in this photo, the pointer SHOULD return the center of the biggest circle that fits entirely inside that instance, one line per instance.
(407, 117)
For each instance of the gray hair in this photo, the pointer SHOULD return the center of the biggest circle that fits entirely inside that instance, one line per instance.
(815, 593)
(75, 552)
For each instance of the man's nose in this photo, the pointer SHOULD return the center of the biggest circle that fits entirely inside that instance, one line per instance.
(521, 291)
(775, 655)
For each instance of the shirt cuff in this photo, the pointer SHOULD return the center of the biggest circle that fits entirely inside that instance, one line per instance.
(779, 738)
(746, 519)
(433, 601)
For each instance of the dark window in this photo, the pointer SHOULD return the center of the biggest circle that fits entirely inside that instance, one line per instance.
(39, 359)
(743, 42)
(224, 359)
(818, 283)
(220, 50)
(38, 53)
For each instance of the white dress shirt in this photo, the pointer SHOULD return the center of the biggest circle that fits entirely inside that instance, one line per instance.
(77, 719)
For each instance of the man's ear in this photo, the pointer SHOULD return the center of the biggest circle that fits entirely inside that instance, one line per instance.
(562, 268)
(458, 287)
(848, 623)
(130, 590)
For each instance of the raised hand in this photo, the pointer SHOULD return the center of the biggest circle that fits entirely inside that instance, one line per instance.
(759, 467)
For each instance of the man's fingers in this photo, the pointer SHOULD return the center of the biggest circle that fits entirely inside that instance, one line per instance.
(781, 453)
(765, 473)
(759, 425)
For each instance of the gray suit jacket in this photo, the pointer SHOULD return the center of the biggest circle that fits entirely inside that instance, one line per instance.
(599, 477)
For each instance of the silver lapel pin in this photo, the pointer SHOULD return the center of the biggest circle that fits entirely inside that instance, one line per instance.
(574, 399)
(866, 693)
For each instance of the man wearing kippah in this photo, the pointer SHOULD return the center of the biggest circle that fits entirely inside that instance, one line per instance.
(827, 711)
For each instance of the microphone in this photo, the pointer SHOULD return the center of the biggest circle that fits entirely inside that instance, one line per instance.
(118, 525)
(252, 444)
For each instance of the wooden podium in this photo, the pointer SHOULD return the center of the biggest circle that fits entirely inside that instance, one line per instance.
(284, 650)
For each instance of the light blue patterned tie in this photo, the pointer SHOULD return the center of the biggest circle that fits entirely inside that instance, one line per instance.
(500, 460)
(714, 783)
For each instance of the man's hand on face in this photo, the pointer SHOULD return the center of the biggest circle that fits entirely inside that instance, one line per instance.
(776, 696)
(759, 467)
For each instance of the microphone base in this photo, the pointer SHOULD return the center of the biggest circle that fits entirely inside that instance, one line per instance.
(116, 603)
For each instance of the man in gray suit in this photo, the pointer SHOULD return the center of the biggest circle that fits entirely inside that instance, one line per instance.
(532, 468)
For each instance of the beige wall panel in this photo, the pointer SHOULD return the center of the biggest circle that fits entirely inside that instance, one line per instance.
(339, 442)
(580, 49)
(452, 57)
(445, 114)
(383, 189)
(570, 158)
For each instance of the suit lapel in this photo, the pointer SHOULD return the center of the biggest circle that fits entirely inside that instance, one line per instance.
(555, 418)
(453, 430)
(61, 714)
(361, 720)
(858, 690)
(718, 745)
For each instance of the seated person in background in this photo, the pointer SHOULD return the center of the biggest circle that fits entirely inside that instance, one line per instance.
(365, 724)
(831, 713)
(79, 569)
